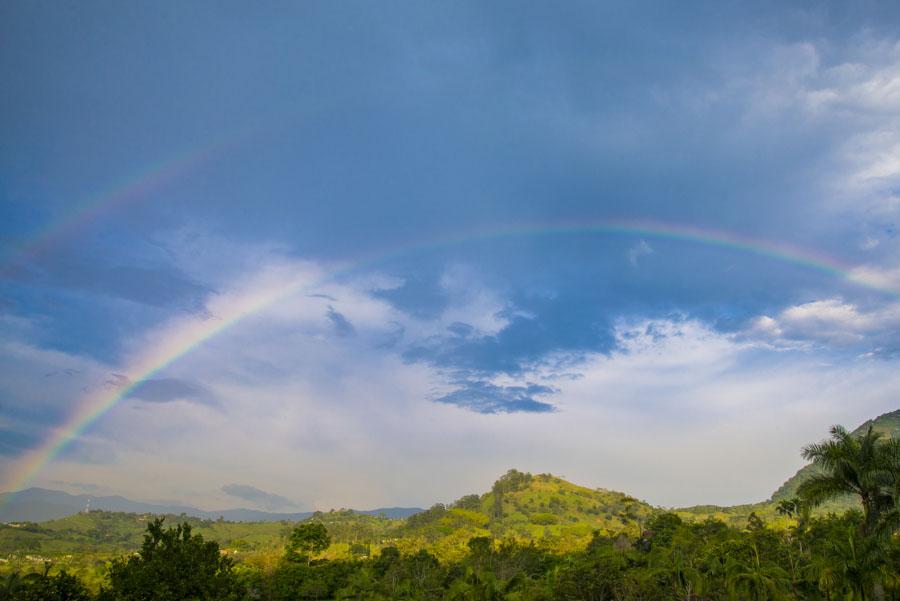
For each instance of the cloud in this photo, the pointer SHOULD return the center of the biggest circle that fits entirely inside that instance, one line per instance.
(485, 397)
(260, 498)
(156, 286)
(549, 327)
(167, 390)
(37, 384)
(852, 100)
(161, 390)
(641, 249)
(14, 442)
(832, 323)
(68, 372)
(91, 451)
(888, 279)
(342, 325)
(697, 397)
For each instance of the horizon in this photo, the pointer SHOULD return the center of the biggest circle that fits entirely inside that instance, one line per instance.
(374, 256)
(341, 507)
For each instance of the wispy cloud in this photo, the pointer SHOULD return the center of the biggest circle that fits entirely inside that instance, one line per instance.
(641, 249)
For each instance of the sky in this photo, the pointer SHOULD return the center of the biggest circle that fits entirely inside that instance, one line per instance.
(298, 256)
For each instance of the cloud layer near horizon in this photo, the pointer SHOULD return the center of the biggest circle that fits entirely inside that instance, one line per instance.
(320, 409)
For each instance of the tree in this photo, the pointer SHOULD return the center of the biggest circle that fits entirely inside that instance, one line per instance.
(470, 502)
(662, 528)
(172, 565)
(359, 550)
(756, 579)
(361, 585)
(307, 539)
(787, 507)
(856, 465)
(40, 586)
(850, 565)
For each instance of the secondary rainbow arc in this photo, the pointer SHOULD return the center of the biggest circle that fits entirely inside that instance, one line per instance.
(129, 189)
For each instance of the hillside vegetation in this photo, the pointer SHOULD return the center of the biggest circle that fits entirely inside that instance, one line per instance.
(542, 509)
(509, 537)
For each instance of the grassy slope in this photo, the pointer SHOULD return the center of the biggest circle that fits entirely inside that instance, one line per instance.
(547, 510)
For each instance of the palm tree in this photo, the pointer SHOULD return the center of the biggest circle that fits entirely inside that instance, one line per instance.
(673, 566)
(852, 567)
(856, 465)
(756, 580)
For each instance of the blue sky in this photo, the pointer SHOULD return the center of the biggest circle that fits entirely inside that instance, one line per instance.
(364, 149)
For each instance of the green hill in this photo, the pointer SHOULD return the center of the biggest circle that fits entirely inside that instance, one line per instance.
(543, 509)
(888, 424)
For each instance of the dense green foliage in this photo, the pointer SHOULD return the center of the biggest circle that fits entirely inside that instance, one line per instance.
(41, 586)
(532, 537)
(821, 558)
(172, 565)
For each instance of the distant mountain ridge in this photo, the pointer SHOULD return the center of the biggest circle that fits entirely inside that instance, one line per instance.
(41, 504)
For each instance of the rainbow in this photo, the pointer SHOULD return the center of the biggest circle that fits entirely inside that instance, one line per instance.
(129, 189)
(659, 230)
(194, 332)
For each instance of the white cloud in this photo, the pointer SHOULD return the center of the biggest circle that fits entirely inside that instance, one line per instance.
(641, 249)
(831, 322)
(336, 421)
(886, 279)
(472, 302)
(860, 100)
(679, 410)
(851, 106)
